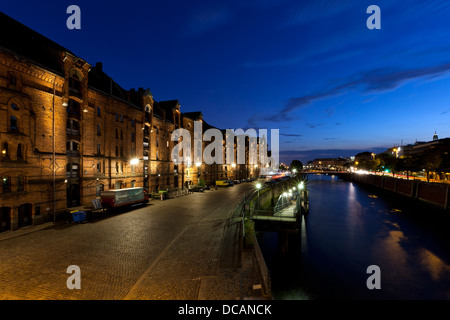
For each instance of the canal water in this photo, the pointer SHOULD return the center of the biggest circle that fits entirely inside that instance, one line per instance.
(348, 229)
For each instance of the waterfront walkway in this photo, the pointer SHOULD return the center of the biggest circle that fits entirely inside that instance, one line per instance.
(186, 248)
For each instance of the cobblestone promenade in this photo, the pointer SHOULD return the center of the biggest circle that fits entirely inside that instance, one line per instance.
(167, 250)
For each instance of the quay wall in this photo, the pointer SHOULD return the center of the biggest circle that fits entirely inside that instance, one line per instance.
(432, 193)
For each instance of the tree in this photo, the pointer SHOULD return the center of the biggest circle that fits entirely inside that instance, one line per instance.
(296, 164)
(431, 162)
(387, 162)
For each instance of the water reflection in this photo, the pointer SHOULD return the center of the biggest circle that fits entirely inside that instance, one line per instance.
(348, 229)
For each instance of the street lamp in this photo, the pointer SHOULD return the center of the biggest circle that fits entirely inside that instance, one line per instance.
(134, 161)
(258, 186)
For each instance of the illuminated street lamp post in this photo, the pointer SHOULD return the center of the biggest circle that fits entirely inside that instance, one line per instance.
(258, 186)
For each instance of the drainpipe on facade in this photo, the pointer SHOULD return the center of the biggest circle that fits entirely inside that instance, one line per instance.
(54, 153)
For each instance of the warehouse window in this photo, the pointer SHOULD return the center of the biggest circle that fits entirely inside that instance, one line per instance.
(6, 184)
(20, 183)
(20, 152)
(5, 152)
(13, 123)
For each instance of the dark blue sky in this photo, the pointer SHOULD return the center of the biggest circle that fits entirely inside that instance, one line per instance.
(311, 69)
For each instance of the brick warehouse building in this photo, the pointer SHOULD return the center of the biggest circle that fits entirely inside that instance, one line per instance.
(69, 131)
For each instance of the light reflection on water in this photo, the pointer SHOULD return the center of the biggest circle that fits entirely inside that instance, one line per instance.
(348, 229)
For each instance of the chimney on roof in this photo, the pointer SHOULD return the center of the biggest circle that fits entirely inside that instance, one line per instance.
(99, 66)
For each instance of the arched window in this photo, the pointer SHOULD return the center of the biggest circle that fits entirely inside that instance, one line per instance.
(99, 130)
(118, 185)
(15, 107)
(99, 112)
(133, 183)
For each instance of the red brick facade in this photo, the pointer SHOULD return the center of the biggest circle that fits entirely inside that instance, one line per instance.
(68, 131)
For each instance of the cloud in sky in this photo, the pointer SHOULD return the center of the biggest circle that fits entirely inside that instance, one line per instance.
(291, 135)
(371, 81)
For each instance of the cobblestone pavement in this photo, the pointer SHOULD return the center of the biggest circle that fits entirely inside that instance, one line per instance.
(166, 250)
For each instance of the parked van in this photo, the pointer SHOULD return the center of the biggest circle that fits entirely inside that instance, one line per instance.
(223, 183)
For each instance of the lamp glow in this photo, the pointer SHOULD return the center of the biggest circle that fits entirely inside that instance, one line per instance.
(134, 161)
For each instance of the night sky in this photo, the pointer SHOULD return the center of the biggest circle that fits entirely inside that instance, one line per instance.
(311, 69)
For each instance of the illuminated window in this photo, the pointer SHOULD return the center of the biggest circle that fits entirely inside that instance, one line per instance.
(5, 152)
(6, 184)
